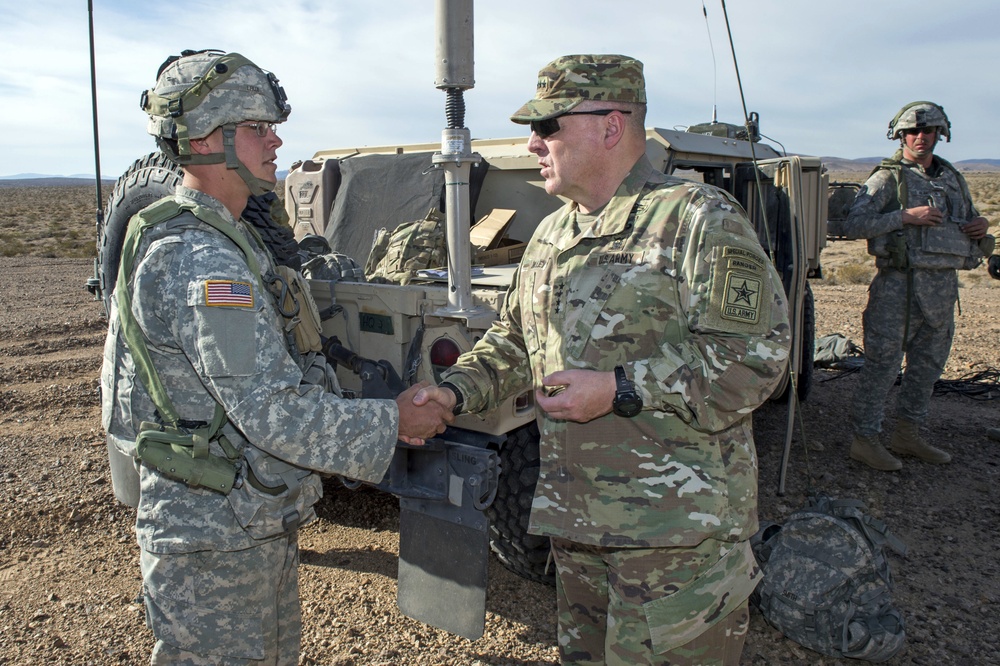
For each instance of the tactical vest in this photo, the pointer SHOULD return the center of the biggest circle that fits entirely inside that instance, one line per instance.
(270, 501)
(942, 246)
(413, 246)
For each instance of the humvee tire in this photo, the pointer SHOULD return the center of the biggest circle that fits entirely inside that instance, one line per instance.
(522, 553)
(148, 180)
(153, 177)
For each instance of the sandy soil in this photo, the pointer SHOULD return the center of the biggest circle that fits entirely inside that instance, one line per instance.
(69, 570)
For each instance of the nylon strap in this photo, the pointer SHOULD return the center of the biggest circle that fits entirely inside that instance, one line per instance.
(177, 107)
(162, 211)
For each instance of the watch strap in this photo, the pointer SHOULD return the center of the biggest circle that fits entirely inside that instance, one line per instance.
(459, 398)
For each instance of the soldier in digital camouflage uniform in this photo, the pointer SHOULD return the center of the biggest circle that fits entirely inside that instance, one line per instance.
(219, 554)
(648, 482)
(921, 225)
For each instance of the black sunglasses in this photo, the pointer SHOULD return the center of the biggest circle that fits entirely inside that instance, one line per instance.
(546, 128)
(913, 131)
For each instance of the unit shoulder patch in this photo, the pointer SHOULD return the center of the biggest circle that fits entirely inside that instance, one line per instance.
(742, 298)
(740, 292)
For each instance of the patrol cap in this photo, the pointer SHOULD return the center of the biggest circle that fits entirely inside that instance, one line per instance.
(570, 80)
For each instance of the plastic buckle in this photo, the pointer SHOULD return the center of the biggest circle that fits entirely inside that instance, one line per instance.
(290, 521)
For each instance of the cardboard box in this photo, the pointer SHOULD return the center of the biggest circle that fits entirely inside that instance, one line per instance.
(488, 233)
(505, 254)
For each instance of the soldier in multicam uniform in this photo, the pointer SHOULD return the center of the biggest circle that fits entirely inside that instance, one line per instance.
(227, 412)
(651, 324)
(921, 225)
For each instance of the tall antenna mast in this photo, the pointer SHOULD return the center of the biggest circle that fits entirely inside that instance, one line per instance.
(715, 74)
(94, 283)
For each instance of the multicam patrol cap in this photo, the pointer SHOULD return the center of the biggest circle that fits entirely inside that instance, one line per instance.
(568, 81)
(919, 114)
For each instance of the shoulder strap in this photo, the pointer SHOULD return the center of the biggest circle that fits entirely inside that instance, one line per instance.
(162, 211)
(894, 165)
(961, 179)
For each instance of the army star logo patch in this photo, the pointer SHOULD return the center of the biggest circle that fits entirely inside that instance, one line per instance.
(742, 301)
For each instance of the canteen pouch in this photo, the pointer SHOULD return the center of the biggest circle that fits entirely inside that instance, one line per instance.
(184, 457)
(274, 496)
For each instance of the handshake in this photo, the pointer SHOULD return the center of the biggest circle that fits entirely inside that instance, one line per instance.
(424, 411)
(567, 395)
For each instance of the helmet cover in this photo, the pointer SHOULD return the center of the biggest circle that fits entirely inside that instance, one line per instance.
(917, 115)
(198, 92)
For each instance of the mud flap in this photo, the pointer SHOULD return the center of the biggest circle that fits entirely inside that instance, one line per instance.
(443, 534)
(442, 573)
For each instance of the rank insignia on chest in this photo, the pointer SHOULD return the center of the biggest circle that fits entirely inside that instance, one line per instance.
(228, 293)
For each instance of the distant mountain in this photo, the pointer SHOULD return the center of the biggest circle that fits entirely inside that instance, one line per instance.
(978, 165)
(861, 164)
(41, 180)
(868, 163)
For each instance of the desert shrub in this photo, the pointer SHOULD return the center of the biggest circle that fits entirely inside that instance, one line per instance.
(851, 273)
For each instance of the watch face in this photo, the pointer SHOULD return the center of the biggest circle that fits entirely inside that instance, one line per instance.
(627, 405)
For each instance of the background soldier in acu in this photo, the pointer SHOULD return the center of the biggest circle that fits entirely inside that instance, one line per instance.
(217, 386)
(651, 324)
(921, 225)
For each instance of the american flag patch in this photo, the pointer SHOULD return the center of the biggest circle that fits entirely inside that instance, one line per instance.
(228, 293)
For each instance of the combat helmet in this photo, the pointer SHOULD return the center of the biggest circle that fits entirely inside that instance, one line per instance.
(920, 114)
(199, 91)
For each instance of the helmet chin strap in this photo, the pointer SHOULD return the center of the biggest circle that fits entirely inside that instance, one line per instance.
(257, 186)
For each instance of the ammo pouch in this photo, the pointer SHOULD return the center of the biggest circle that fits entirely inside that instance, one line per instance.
(274, 496)
(895, 246)
(298, 308)
(186, 457)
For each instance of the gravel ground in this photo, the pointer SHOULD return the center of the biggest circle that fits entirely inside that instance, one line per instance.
(69, 570)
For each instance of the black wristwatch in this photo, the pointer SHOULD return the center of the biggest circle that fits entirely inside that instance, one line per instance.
(627, 400)
(459, 399)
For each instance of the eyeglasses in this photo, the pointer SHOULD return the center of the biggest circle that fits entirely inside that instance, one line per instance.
(261, 129)
(546, 128)
(913, 131)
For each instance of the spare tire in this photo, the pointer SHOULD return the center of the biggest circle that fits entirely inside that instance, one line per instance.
(525, 554)
(148, 180)
(155, 176)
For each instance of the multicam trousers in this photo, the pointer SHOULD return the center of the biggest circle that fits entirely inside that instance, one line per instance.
(225, 608)
(637, 606)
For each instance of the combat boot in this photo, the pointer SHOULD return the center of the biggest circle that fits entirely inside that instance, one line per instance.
(871, 452)
(906, 440)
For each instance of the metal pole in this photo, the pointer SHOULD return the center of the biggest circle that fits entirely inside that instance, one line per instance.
(94, 285)
(454, 75)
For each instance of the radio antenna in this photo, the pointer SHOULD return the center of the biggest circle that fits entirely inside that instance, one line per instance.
(94, 284)
(715, 74)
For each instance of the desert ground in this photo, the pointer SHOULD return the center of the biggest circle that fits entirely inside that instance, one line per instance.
(69, 571)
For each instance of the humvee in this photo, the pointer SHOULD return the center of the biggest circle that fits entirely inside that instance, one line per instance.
(469, 491)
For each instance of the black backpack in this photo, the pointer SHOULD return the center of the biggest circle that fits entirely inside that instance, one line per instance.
(827, 584)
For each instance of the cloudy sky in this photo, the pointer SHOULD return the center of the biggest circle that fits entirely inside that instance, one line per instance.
(825, 77)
